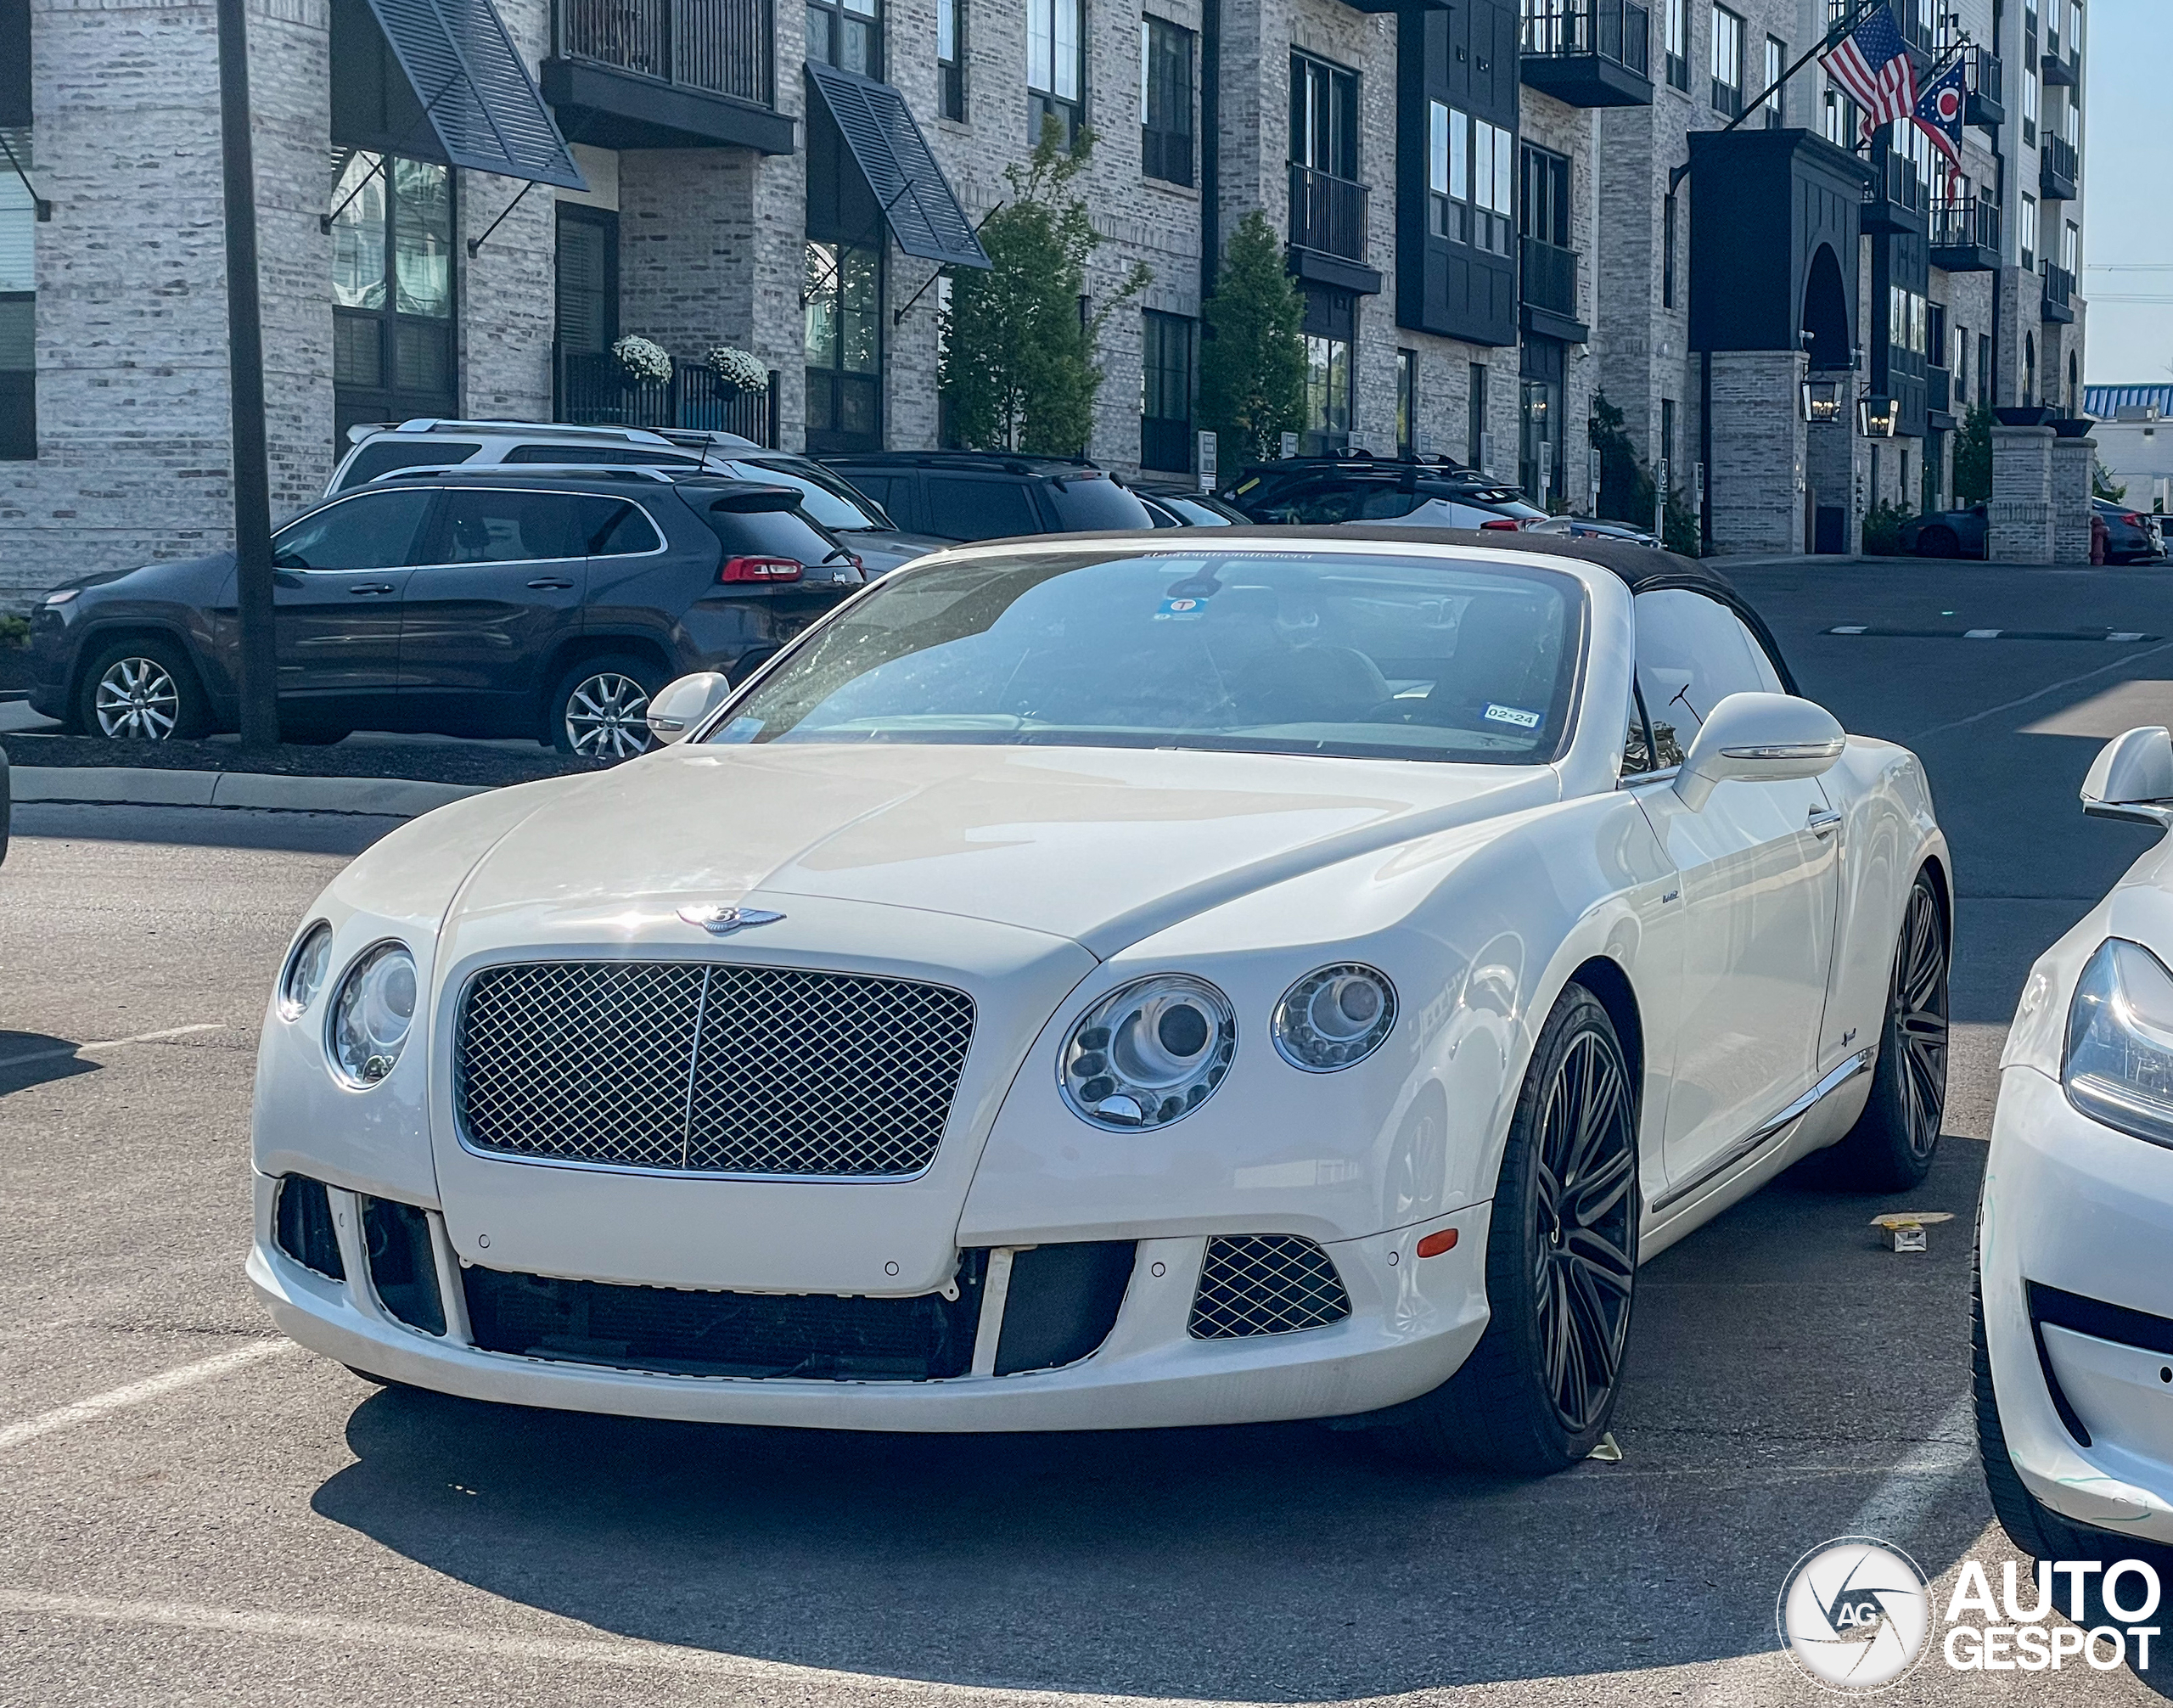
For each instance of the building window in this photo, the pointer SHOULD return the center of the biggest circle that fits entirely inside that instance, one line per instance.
(392, 288)
(847, 33)
(587, 279)
(1907, 333)
(2070, 246)
(1984, 367)
(2030, 98)
(1777, 61)
(2028, 232)
(1678, 43)
(1961, 364)
(1323, 117)
(950, 60)
(1667, 469)
(18, 309)
(1543, 210)
(1476, 448)
(1727, 63)
(1470, 179)
(1667, 251)
(1166, 392)
(1843, 119)
(1056, 69)
(2071, 120)
(1164, 101)
(1327, 391)
(844, 293)
(2029, 369)
(1406, 400)
(1438, 216)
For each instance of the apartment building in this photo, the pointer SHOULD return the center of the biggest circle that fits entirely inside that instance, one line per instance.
(1495, 211)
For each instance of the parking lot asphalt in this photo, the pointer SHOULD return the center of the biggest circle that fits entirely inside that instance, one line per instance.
(197, 1513)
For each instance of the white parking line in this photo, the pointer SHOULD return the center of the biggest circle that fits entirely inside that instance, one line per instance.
(59, 1050)
(151, 1388)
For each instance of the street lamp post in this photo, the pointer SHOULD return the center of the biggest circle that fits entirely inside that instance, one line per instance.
(252, 482)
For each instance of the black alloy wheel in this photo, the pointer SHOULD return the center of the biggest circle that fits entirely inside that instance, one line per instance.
(1891, 1146)
(1539, 1390)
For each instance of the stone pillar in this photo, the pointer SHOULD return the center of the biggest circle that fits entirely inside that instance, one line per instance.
(2019, 519)
(2072, 461)
(1753, 488)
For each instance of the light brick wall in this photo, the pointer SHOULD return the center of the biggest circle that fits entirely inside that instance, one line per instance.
(1755, 484)
(2020, 519)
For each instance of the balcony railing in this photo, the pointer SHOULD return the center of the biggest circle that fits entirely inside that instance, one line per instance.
(719, 46)
(1987, 98)
(1548, 277)
(1971, 222)
(595, 390)
(1574, 29)
(2059, 292)
(1328, 213)
(2059, 167)
(1939, 390)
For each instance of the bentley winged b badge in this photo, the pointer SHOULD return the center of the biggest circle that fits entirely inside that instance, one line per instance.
(720, 921)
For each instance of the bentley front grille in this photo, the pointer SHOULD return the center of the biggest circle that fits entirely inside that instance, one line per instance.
(1265, 1283)
(710, 1069)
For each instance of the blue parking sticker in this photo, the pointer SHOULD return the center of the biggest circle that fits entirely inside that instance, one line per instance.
(1513, 714)
(1180, 611)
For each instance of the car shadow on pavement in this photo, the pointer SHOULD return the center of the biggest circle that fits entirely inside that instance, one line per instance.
(29, 1058)
(1783, 1361)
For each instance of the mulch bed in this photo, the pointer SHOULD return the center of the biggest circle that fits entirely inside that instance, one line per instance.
(418, 762)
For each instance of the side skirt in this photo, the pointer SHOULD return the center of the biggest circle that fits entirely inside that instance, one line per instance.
(1744, 1152)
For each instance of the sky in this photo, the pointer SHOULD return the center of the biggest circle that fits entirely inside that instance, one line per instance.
(2127, 227)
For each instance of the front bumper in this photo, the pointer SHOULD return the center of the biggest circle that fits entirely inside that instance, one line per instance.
(2074, 1211)
(1412, 1322)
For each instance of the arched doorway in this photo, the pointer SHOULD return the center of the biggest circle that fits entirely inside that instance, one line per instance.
(1826, 312)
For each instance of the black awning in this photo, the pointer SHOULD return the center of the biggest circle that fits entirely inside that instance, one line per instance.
(476, 89)
(916, 198)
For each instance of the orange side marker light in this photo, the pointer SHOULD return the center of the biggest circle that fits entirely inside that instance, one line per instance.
(1434, 1244)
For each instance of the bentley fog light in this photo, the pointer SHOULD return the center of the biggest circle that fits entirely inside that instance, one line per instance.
(306, 970)
(1150, 1053)
(372, 1014)
(2119, 1066)
(1334, 1018)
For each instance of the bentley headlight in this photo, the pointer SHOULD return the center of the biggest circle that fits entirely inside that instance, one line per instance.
(306, 969)
(2119, 1064)
(372, 1014)
(1334, 1018)
(1150, 1053)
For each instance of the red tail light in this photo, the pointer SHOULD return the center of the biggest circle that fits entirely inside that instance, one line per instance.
(759, 569)
(1507, 524)
(2132, 519)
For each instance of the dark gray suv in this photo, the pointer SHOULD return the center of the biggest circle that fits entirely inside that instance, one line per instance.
(490, 603)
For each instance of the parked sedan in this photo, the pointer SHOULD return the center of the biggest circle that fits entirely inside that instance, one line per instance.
(1187, 506)
(2132, 537)
(494, 603)
(2074, 1287)
(1110, 982)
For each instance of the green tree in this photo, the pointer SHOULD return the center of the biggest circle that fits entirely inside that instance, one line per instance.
(1018, 370)
(2101, 485)
(1973, 457)
(1252, 365)
(1627, 491)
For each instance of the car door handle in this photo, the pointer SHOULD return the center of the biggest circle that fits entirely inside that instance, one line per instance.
(1823, 822)
(371, 588)
(551, 582)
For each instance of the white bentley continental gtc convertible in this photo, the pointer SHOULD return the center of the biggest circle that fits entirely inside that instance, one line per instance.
(1099, 983)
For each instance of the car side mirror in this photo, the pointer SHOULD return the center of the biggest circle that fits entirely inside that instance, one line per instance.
(679, 707)
(1757, 737)
(2132, 777)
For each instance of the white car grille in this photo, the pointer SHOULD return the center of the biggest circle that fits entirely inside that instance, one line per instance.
(685, 1067)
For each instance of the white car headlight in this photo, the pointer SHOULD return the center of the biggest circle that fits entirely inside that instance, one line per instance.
(1334, 1018)
(1149, 1054)
(2118, 1067)
(372, 1014)
(306, 969)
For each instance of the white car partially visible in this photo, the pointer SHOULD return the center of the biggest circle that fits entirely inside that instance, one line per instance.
(2074, 1287)
(1195, 978)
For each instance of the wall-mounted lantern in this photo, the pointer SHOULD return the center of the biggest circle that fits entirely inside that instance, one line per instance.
(1878, 416)
(1822, 401)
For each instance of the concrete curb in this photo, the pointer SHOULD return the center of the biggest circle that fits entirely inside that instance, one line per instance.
(383, 797)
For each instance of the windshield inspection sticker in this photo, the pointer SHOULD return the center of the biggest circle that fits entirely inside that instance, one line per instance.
(1512, 715)
(1180, 611)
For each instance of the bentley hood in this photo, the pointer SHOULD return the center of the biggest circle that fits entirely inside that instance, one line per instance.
(1104, 847)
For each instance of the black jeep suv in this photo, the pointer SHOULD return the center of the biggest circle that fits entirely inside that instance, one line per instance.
(1321, 491)
(991, 494)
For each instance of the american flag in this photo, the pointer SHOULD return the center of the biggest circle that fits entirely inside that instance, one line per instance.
(1872, 62)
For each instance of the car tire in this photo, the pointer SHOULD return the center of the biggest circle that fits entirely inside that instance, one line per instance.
(598, 709)
(2029, 1523)
(142, 690)
(1891, 1146)
(1560, 1273)
(1938, 543)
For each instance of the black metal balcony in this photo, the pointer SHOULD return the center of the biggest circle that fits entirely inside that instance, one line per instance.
(2059, 294)
(1939, 398)
(1987, 102)
(595, 390)
(2059, 171)
(636, 74)
(1547, 291)
(1965, 235)
(1588, 53)
(2062, 69)
(1894, 200)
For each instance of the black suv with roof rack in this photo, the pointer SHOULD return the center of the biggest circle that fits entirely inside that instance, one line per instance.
(495, 601)
(1354, 487)
(990, 495)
